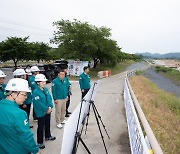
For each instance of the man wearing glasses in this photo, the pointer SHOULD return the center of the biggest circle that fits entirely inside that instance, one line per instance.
(15, 136)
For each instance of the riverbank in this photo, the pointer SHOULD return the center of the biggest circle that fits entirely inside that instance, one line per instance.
(162, 110)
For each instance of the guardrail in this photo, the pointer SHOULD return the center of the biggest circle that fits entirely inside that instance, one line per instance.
(139, 144)
(137, 140)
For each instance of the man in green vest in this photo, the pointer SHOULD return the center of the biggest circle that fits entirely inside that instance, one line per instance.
(60, 96)
(2, 85)
(84, 81)
(15, 134)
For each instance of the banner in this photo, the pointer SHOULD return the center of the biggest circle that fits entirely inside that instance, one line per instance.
(75, 68)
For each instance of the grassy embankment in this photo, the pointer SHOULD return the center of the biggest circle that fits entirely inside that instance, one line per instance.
(162, 111)
(173, 74)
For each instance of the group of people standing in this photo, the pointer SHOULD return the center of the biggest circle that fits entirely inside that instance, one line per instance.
(29, 87)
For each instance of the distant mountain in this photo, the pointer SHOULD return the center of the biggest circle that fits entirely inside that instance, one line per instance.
(175, 55)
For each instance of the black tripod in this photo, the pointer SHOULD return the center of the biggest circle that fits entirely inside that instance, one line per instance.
(97, 116)
(78, 135)
(98, 120)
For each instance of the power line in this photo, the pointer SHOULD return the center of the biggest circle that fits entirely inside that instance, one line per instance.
(22, 25)
(5, 28)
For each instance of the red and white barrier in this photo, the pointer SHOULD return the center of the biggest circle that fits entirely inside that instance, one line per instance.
(104, 74)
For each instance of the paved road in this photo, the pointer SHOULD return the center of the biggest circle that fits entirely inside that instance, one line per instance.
(8, 72)
(110, 105)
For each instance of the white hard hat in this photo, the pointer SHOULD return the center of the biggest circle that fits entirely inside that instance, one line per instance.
(19, 72)
(2, 75)
(28, 71)
(34, 69)
(18, 84)
(40, 77)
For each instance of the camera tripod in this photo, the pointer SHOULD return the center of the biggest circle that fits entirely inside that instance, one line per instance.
(98, 121)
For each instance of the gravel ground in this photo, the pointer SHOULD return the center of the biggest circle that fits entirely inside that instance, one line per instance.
(162, 82)
(136, 65)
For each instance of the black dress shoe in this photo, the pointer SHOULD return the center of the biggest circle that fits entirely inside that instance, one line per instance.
(41, 146)
(52, 138)
(67, 115)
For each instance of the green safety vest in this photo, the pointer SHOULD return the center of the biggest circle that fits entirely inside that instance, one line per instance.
(32, 83)
(84, 81)
(15, 134)
(41, 101)
(60, 88)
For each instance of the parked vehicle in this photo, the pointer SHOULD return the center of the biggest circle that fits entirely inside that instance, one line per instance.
(51, 70)
(59, 64)
(48, 70)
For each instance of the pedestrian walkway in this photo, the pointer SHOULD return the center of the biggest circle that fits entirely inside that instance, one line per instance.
(109, 102)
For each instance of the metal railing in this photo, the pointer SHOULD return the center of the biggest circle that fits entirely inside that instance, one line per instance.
(137, 139)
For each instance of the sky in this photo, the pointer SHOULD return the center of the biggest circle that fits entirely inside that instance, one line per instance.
(137, 25)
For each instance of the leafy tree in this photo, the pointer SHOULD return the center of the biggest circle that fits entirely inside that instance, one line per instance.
(54, 54)
(80, 40)
(39, 51)
(14, 48)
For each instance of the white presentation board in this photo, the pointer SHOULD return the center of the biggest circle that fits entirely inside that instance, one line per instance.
(71, 124)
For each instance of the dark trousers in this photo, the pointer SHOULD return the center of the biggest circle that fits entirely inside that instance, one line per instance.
(43, 122)
(67, 103)
(27, 109)
(34, 115)
(84, 93)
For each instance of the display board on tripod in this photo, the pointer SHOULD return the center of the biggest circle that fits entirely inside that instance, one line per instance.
(76, 121)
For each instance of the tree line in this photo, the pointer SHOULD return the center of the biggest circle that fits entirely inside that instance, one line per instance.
(75, 40)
